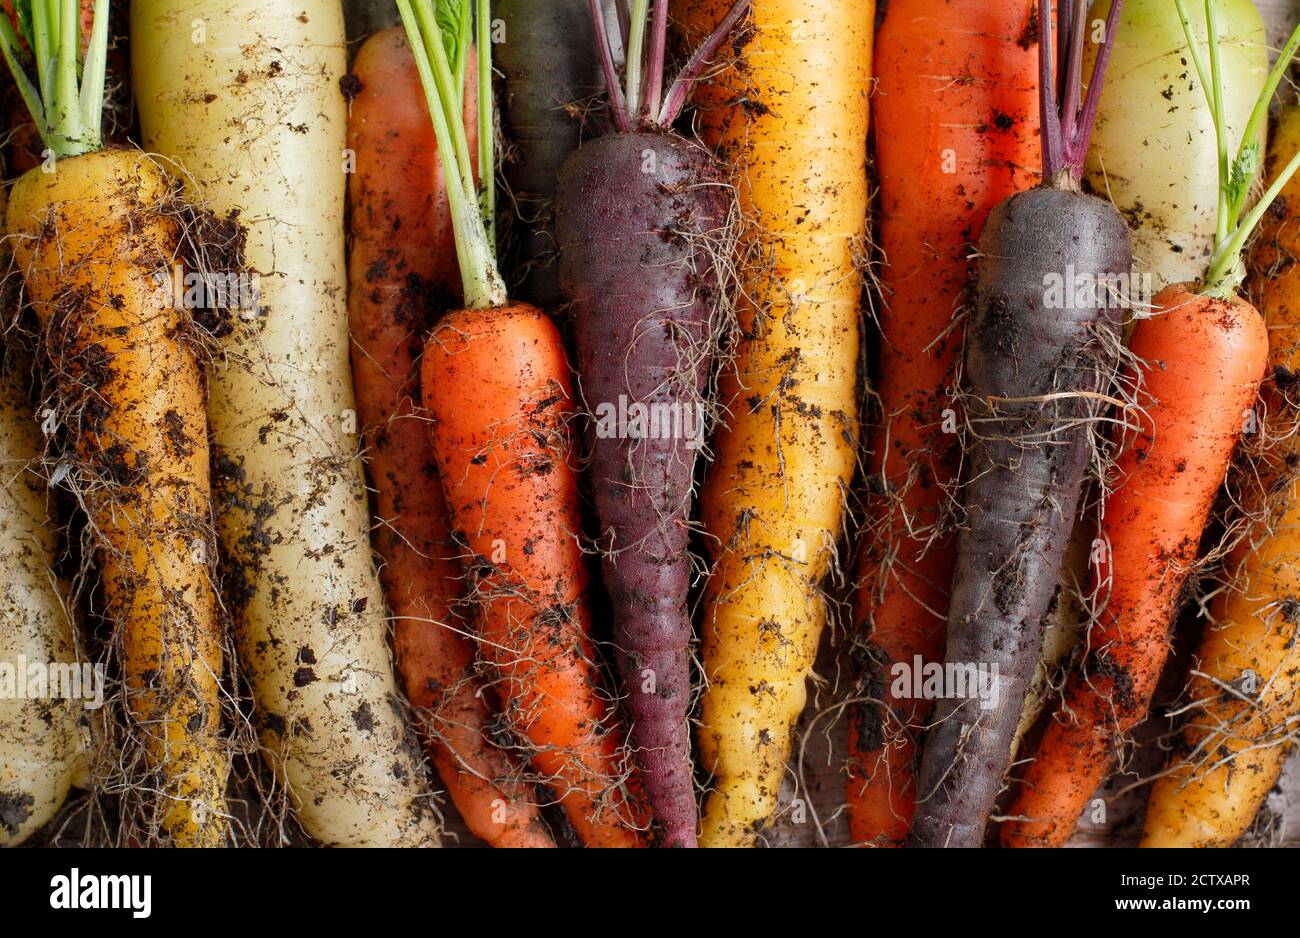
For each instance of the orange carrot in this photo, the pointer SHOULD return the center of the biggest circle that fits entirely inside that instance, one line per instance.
(964, 114)
(497, 386)
(1244, 698)
(402, 257)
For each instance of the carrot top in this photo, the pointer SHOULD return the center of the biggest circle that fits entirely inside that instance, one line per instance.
(441, 33)
(68, 109)
(1067, 123)
(1226, 270)
(640, 100)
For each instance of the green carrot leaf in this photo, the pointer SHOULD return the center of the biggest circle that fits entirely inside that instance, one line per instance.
(450, 15)
(1244, 168)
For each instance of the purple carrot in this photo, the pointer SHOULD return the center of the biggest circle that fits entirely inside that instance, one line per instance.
(639, 218)
(1029, 368)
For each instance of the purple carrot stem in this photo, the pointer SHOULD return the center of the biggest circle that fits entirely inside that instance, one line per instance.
(1066, 123)
(654, 76)
(1064, 14)
(693, 68)
(1049, 113)
(616, 102)
(623, 10)
(1073, 80)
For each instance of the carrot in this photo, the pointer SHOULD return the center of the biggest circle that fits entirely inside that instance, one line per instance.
(1202, 355)
(1033, 364)
(1244, 697)
(552, 70)
(41, 752)
(963, 115)
(496, 384)
(402, 258)
(91, 240)
(641, 218)
(773, 503)
(245, 96)
(1165, 184)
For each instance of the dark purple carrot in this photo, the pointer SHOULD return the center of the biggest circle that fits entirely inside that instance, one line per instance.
(1033, 355)
(552, 71)
(639, 220)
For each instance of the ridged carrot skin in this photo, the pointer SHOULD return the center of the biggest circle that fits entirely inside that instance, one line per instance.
(500, 399)
(1238, 744)
(964, 119)
(1203, 360)
(788, 117)
(636, 263)
(402, 268)
(92, 241)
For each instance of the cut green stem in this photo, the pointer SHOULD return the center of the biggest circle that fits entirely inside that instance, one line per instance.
(475, 251)
(68, 113)
(487, 167)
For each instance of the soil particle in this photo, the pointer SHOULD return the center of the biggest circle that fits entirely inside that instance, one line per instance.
(1029, 35)
(364, 717)
(15, 809)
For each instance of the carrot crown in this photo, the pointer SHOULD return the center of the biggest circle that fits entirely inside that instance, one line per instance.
(442, 33)
(1235, 176)
(639, 100)
(1067, 123)
(43, 54)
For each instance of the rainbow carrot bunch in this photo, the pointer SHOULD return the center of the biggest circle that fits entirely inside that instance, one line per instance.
(1202, 353)
(496, 385)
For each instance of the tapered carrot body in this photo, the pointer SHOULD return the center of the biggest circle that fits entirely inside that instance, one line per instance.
(497, 387)
(1237, 742)
(402, 274)
(1202, 363)
(774, 501)
(964, 119)
(637, 263)
(93, 244)
(1032, 366)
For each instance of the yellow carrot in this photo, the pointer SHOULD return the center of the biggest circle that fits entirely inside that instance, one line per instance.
(789, 119)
